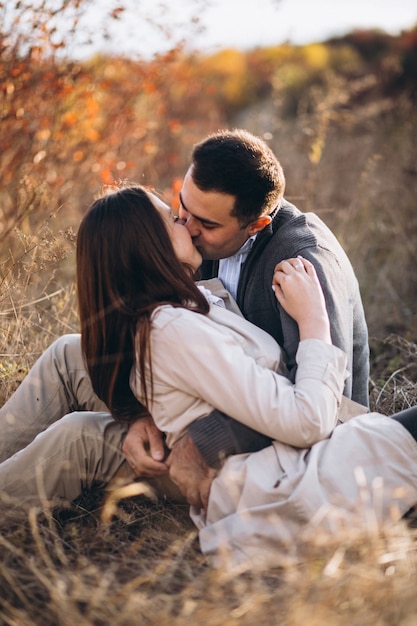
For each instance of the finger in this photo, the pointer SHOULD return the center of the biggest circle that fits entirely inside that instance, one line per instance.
(289, 267)
(142, 463)
(277, 279)
(281, 275)
(297, 263)
(148, 468)
(283, 266)
(156, 444)
(276, 286)
(135, 437)
(306, 263)
(309, 267)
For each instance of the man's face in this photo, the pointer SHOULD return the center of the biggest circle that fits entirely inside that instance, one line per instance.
(215, 232)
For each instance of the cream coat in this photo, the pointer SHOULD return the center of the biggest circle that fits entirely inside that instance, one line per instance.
(222, 361)
(264, 506)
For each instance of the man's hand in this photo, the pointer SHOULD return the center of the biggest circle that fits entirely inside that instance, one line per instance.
(190, 472)
(144, 449)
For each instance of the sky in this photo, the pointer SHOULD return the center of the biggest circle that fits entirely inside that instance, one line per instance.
(249, 23)
(246, 24)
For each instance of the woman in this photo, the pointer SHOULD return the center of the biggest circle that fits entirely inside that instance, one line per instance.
(144, 320)
(135, 265)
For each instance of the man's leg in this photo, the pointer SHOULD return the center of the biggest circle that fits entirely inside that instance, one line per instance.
(57, 384)
(408, 418)
(73, 454)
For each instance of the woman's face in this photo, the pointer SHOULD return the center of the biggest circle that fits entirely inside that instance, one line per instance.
(180, 237)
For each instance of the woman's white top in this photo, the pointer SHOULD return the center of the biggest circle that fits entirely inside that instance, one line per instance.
(222, 361)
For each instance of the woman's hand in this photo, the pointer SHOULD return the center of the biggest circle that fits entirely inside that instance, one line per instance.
(299, 292)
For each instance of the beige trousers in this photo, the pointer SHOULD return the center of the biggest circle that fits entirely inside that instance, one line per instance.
(57, 437)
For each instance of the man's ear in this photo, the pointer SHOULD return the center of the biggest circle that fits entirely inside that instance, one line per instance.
(259, 224)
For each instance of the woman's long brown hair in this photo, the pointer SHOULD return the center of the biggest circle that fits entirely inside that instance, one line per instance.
(126, 267)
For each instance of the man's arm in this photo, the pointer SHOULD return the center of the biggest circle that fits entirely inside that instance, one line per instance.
(347, 320)
(214, 438)
(195, 458)
(189, 471)
(218, 436)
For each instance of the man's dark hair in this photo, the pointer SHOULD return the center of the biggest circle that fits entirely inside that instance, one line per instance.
(242, 165)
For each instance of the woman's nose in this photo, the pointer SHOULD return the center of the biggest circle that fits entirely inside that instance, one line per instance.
(190, 222)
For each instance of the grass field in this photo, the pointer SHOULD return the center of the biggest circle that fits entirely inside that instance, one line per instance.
(349, 150)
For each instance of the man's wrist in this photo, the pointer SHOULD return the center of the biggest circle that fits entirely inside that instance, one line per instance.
(218, 436)
(211, 437)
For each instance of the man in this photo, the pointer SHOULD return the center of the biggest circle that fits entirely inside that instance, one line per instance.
(232, 201)
(233, 205)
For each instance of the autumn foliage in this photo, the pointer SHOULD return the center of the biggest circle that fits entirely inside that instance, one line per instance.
(71, 124)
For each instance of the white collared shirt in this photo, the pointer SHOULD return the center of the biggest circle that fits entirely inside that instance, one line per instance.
(229, 268)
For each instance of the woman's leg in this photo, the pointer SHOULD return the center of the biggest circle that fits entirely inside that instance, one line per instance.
(75, 453)
(57, 384)
(365, 473)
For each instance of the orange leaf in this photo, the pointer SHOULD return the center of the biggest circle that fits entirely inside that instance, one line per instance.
(106, 176)
(70, 118)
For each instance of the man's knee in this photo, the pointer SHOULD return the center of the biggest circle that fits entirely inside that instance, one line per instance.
(91, 430)
(67, 347)
(84, 424)
(64, 360)
(92, 445)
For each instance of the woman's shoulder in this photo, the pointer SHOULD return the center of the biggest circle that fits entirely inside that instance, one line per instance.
(178, 323)
(167, 314)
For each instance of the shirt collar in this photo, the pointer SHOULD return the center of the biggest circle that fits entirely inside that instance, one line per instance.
(246, 248)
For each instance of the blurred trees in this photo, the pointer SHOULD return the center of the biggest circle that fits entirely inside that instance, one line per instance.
(70, 125)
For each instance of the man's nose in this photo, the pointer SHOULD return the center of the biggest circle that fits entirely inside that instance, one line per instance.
(190, 222)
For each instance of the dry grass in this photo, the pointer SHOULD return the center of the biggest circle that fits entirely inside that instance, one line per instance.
(67, 567)
(145, 568)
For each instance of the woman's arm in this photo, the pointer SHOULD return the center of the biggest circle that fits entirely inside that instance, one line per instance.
(203, 362)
